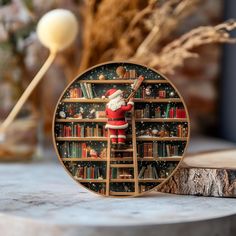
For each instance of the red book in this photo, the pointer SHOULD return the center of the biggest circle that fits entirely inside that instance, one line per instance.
(172, 112)
(92, 172)
(183, 113)
(67, 131)
(80, 92)
(178, 113)
(145, 150)
(143, 93)
(78, 131)
(84, 150)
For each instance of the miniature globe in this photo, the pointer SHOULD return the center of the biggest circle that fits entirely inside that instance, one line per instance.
(120, 71)
(156, 134)
(101, 77)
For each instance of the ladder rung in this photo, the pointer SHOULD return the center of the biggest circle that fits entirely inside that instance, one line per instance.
(121, 159)
(122, 150)
(122, 193)
(121, 180)
(122, 165)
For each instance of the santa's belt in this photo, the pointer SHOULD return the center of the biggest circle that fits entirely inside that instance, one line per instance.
(112, 119)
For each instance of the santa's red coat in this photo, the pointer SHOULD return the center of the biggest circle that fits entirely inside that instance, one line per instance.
(118, 114)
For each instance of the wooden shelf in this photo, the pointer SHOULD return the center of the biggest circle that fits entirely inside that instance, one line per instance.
(83, 159)
(122, 150)
(90, 180)
(104, 139)
(121, 180)
(99, 100)
(160, 159)
(85, 100)
(151, 180)
(70, 120)
(161, 120)
(122, 165)
(121, 159)
(157, 100)
(124, 81)
(104, 120)
(161, 139)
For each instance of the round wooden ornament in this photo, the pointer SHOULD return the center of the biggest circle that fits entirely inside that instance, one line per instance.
(122, 135)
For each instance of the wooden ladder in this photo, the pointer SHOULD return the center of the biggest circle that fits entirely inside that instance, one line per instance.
(134, 165)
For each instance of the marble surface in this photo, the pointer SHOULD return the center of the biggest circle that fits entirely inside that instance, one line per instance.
(41, 199)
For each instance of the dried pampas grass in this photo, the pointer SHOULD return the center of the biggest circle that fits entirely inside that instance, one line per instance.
(174, 54)
(139, 30)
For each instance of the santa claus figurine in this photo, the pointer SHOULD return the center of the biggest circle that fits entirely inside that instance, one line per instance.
(115, 112)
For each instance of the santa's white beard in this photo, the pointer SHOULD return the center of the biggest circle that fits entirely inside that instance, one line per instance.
(116, 103)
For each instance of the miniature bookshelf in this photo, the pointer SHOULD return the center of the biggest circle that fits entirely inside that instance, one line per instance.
(132, 183)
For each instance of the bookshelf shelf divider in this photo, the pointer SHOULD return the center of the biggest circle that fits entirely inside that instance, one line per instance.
(138, 100)
(124, 81)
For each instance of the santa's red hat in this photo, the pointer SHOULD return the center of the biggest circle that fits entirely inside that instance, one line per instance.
(112, 93)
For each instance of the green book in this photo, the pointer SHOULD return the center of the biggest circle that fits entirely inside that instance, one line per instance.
(138, 93)
(114, 173)
(164, 149)
(141, 173)
(160, 150)
(87, 90)
(73, 150)
(90, 90)
(167, 110)
(79, 150)
(83, 90)
(89, 172)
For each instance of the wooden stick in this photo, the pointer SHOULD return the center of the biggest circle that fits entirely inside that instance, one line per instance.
(26, 94)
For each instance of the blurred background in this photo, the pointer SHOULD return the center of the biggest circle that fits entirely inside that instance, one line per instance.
(147, 32)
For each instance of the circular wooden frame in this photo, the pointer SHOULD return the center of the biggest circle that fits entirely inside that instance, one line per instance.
(121, 63)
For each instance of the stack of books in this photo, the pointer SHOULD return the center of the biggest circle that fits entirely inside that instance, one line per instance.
(168, 111)
(90, 172)
(148, 172)
(130, 74)
(87, 90)
(73, 150)
(76, 130)
(182, 131)
(158, 149)
(154, 92)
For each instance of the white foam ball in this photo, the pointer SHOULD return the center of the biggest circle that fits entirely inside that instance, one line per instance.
(57, 29)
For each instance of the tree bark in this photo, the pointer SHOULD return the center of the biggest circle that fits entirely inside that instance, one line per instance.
(205, 181)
